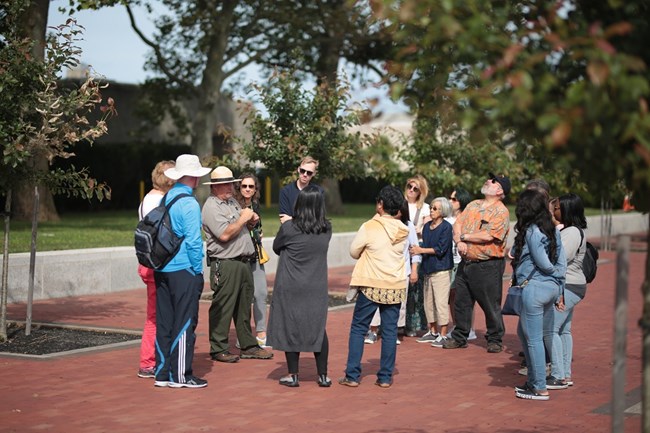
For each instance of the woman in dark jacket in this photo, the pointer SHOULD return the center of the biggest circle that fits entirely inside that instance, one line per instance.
(300, 297)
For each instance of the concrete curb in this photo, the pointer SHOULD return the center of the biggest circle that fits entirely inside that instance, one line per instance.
(104, 270)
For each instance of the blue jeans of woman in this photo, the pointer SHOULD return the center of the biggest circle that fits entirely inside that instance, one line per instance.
(364, 309)
(558, 338)
(538, 300)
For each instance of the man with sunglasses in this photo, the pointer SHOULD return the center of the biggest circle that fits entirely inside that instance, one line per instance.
(480, 233)
(289, 193)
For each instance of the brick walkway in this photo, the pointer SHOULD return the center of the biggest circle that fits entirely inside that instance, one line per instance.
(435, 390)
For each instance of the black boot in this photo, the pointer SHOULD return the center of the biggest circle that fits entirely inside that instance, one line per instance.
(324, 381)
(290, 380)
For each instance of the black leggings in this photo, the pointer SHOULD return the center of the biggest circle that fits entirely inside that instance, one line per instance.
(293, 358)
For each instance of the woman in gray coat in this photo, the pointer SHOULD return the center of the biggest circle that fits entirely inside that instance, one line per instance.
(299, 305)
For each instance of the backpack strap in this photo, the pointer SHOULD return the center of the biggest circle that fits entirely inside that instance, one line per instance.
(179, 196)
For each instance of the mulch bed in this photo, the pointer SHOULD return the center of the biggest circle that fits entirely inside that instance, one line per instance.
(44, 340)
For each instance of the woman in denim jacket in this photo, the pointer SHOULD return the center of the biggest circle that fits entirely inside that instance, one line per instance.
(540, 259)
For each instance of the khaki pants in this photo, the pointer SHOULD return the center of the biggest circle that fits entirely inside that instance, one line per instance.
(436, 297)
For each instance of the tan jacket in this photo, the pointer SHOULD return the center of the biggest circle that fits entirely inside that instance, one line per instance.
(379, 248)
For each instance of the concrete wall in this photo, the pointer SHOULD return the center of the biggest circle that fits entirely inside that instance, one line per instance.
(101, 270)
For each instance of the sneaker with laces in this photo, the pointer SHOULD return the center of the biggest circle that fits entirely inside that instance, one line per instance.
(439, 342)
(429, 337)
(371, 338)
(190, 382)
(494, 347)
(255, 352)
(553, 383)
(147, 373)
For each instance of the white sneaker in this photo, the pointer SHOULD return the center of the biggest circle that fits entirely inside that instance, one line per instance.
(371, 338)
(261, 342)
(472, 335)
(398, 342)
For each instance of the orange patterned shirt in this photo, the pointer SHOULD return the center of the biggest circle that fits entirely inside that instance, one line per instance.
(479, 216)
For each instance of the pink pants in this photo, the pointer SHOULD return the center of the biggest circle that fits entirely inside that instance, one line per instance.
(147, 353)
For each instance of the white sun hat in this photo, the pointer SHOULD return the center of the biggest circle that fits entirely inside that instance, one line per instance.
(187, 165)
(221, 174)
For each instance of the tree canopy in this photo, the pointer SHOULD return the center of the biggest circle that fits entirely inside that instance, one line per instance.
(555, 79)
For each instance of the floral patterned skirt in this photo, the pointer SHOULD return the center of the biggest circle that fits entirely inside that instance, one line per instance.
(416, 320)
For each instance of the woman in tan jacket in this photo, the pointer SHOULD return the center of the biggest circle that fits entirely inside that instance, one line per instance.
(379, 278)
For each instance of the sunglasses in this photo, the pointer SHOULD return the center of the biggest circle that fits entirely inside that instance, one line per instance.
(412, 187)
(434, 208)
(242, 186)
(307, 172)
(453, 199)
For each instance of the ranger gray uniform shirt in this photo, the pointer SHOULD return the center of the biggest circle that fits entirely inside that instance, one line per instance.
(217, 215)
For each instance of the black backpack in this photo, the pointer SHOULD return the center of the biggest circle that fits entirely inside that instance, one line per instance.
(590, 262)
(155, 241)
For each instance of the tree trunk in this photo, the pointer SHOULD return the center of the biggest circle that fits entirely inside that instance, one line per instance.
(327, 74)
(34, 25)
(645, 332)
(333, 199)
(4, 287)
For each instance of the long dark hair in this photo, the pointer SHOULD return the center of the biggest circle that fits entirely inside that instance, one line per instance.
(309, 211)
(238, 195)
(405, 214)
(572, 211)
(532, 208)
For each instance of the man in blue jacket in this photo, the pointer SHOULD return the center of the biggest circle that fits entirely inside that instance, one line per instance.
(180, 283)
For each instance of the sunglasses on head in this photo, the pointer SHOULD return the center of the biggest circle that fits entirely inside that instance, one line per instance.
(412, 187)
(242, 186)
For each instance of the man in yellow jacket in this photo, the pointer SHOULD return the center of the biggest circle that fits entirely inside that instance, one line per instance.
(379, 279)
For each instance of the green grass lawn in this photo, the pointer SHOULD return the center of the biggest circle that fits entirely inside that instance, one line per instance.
(115, 228)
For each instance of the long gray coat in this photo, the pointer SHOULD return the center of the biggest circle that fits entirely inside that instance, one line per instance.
(299, 305)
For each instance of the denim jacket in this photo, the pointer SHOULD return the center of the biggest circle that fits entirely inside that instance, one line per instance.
(534, 256)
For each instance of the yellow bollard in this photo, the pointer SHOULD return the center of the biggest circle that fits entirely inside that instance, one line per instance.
(267, 192)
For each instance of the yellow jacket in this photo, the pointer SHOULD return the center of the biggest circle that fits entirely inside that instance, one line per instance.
(379, 248)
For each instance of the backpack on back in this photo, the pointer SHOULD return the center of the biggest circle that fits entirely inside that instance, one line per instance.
(590, 262)
(155, 241)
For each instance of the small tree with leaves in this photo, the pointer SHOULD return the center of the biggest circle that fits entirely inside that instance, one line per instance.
(304, 122)
(39, 119)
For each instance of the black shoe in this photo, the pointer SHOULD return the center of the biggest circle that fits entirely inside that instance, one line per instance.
(324, 381)
(190, 382)
(553, 383)
(290, 380)
(450, 343)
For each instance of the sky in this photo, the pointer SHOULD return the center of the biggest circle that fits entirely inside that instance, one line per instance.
(114, 51)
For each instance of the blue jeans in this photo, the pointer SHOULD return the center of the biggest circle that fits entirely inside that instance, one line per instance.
(364, 309)
(558, 338)
(538, 301)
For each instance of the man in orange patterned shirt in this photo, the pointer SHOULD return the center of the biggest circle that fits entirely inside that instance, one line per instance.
(480, 233)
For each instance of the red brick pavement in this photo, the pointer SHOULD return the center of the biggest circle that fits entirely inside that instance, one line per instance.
(435, 390)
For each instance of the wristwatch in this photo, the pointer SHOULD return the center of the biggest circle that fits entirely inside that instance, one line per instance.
(462, 237)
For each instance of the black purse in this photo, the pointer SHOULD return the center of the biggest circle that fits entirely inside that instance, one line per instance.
(514, 302)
